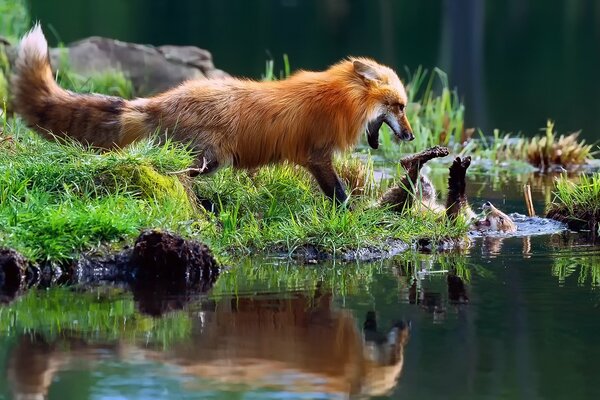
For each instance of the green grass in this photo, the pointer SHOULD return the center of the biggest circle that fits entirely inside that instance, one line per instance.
(542, 152)
(14, 22)
(59, 199)
(436, 114)
(577, 203)
(281, 207)
(112, 83)
(14, 19)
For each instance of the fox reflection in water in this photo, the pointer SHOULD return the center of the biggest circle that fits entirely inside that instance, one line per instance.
(298, 343)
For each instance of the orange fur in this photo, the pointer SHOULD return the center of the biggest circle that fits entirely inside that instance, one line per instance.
(303, 119)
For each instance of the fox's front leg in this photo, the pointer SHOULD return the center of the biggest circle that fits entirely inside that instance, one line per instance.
(328, 180)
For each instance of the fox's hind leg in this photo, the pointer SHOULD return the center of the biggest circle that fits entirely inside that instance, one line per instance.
(206, 163)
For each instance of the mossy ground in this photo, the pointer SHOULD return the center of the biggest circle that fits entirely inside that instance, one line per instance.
(59, 199)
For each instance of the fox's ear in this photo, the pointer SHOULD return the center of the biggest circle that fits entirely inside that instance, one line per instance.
(366, 71)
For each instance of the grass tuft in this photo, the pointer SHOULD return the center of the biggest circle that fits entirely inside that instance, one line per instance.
(549, 150)
(281, 207)
(577, 204)
(112, 83)
(57, 200)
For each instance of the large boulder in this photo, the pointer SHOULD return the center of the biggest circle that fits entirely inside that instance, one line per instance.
(151, 69)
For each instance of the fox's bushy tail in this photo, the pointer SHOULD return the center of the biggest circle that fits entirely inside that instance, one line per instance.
(91, 119)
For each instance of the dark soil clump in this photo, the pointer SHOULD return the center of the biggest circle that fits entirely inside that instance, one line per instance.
(158, 262)
(585, 220)
(13, 269)
(164, 255)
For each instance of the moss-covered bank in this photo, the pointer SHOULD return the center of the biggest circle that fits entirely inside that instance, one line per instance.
(58, 200)
(577, 203)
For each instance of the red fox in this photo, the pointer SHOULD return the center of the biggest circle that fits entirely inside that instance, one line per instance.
(247, 124)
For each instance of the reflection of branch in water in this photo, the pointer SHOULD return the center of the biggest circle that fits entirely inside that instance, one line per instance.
(526, 247)
(457, 291)
(416, 269)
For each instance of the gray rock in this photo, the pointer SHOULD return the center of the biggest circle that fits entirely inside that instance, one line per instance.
(150, 69)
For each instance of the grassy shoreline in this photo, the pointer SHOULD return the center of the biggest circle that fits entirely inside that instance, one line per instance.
(577, 203)
(60, 199)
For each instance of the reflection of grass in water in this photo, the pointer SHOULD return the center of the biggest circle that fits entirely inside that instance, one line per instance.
(413, 263)
(588, 266)
(341, 278)
(253, 275)
(102, 314)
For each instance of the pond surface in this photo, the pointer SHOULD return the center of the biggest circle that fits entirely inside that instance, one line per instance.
(515, 62)
(512, 318)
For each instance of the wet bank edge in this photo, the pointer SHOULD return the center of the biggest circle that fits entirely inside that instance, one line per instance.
(161, 257)
(157, 257)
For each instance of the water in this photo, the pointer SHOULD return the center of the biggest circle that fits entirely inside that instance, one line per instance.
(525, 333)
(516, 62)
(509, 318)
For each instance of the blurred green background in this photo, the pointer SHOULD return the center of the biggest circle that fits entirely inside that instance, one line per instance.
(515, 62)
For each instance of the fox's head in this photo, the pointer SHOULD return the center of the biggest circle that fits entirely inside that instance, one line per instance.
(386, 100)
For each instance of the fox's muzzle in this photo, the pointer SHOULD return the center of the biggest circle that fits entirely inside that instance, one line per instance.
(400, 127)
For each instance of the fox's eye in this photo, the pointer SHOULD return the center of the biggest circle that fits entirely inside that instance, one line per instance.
(398, 106)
